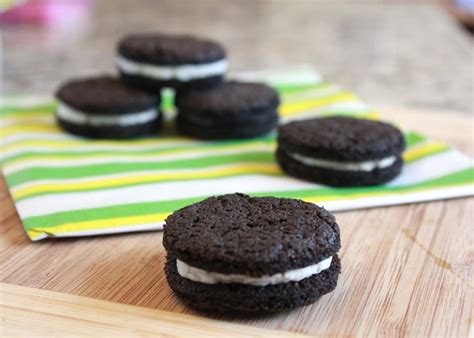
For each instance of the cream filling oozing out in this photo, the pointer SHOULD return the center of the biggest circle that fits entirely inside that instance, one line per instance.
(182, 73)
(345, 165)
(69, 114)
(209, 277)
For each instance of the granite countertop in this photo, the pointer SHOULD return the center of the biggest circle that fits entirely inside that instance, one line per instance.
(387, 52)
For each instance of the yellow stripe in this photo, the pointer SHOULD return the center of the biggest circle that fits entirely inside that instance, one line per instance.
(93, 145)
(53, 129)
(25, 117)
(318, 199)
(371, 115)
(100, 183)
(31, 128)
(315, 93)
(99, 224)
(244, 147)
(160, 217)
(422, 150)
(409, 155)
(287, 109)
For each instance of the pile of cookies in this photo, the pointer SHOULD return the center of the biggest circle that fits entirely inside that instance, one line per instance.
(337, 151)
(251, 254)
(208, 106)
(235, 252)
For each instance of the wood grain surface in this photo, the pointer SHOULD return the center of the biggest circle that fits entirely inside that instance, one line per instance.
(406, 270)
(53, 313)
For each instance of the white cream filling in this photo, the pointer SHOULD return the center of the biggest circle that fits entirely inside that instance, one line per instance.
(208, 277)
(345, 165)
(182, 73)
(69, 114)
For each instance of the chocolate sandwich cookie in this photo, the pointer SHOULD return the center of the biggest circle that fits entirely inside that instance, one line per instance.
(244, 254)
(341, 151)
(227, 111)
(103, 107)
(153, 61)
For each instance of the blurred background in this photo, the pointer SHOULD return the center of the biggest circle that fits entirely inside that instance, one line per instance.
(403, 53)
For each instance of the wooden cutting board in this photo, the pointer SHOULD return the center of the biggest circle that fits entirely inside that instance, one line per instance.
(406, 270)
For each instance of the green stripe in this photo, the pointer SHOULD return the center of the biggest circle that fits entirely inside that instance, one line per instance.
(412, 138)
(59, 191)
(42, 108)
(258, 157)
(456, 178)
(361, 114)
(138, 152)
(41, 173)
(144, 208)
(167, 99)
(283, 90)
(292, 88)
(90, 170)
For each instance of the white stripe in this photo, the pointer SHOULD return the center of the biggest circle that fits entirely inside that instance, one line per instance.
(369, 202)
(25, 101)
(128, 174)
(47, 204)
(397, 199)
(37, 137)
(91, 146)
(431, 167)
(101, 231)
(145, 158)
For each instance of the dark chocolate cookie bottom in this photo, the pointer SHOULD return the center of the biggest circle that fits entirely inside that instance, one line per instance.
(337, 178)
(248, 298)
(154, 86)
(225, 132)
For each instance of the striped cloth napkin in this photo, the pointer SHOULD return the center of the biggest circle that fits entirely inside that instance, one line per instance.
(68, 186)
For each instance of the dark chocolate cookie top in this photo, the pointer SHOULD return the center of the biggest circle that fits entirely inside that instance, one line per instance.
(236, 233)
(229, 99)
(341, 138)
(170, 50)
(105, 95)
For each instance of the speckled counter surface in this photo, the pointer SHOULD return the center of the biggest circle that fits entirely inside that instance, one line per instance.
(388, 52)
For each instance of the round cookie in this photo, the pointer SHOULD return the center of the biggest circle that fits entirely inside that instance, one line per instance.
(153, 61)
(238, 253)
(227, 111)
(103, 107)
(341, 151)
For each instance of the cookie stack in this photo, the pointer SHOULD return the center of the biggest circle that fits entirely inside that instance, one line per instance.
(236, 253)
(208, 106)
(154, 61)
(341, 151)
(104, 107)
